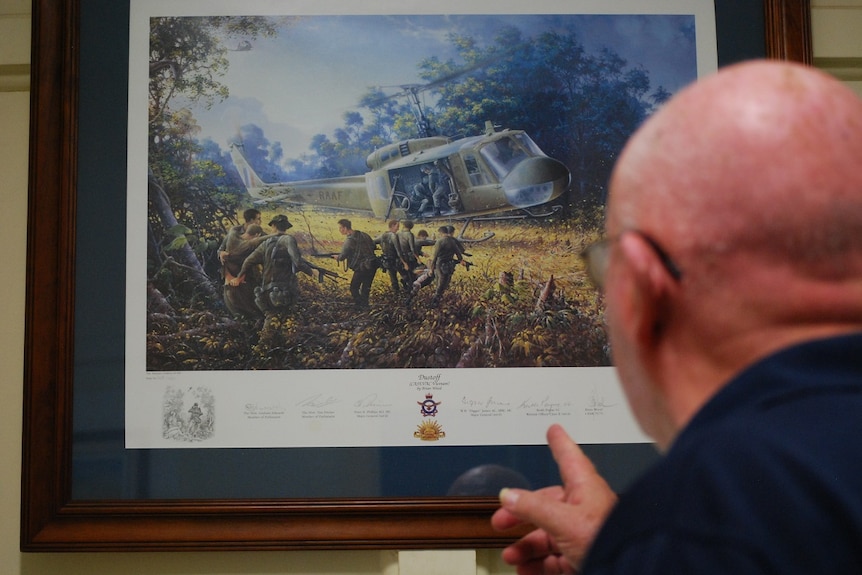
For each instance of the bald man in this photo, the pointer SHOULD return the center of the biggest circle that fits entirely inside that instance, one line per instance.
(732, 274)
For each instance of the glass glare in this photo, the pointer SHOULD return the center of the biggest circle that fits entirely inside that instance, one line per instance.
(596, 257)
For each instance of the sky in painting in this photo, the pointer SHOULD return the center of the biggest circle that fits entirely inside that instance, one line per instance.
(302, 82)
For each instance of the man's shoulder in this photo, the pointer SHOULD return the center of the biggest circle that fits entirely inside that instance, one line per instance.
(769, 453)
(361, 237)
(269, 241)
(278, 240)
(448, 241)
(233, 235)
(729, 492)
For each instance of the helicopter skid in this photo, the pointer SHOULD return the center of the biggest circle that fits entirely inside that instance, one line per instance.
(486, 236)
(522, 214)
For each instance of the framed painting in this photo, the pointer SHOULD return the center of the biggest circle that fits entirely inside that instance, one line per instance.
(158, 417)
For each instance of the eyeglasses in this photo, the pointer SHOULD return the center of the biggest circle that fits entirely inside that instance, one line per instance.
(596, 257)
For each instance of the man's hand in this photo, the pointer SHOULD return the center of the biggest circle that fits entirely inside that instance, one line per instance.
(567, 517)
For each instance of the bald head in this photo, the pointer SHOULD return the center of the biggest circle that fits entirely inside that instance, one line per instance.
(762, 155)
(750, 181)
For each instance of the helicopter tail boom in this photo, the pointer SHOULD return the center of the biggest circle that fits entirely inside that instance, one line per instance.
(249, 177)
(348, 193)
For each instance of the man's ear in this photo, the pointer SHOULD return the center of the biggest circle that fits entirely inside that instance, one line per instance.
(649, 285)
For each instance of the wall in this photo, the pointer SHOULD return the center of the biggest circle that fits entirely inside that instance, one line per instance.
(837, 48)
(837, 38)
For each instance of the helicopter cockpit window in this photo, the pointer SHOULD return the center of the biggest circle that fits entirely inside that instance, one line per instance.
(528, 144)
(504, 154)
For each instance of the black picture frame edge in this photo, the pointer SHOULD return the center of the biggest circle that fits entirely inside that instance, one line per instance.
(50, 520)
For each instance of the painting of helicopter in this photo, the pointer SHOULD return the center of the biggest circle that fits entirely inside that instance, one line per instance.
(498, 173)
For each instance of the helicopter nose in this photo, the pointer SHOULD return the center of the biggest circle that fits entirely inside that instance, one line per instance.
(535, 181)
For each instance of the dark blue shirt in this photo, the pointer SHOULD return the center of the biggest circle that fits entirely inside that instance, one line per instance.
(766, 478)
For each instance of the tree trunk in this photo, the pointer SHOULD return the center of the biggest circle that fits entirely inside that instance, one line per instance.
(184, 256)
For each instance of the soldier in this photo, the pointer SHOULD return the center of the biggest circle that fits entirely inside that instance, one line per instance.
(451, 229)
(408, 252)
(358, 252)
(231, 242)
(281, 259)
(250, 216)
(195, 415)
(452, 197)
(423, 192)
(448, 253)
(390, 260)
(439, 188)
(422, 239)
(240, 299)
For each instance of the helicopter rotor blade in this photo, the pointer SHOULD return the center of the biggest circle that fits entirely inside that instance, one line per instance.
(414, 89)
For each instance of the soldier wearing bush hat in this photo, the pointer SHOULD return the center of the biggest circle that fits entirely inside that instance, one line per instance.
(280, 259)
(280, 222)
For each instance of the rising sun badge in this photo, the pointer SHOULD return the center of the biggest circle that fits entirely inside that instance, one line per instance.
(429, 431)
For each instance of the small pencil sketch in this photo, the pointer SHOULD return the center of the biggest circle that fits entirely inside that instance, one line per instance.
(188, 414)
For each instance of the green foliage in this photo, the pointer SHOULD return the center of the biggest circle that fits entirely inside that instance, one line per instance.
(187, 60)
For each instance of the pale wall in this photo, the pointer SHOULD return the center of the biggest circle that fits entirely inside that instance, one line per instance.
(837, 48)
(837, 38)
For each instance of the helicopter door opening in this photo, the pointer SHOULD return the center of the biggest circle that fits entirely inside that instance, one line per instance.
(425, 190)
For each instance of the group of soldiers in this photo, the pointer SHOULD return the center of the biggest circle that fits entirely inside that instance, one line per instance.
(434, 191)
(260, 270)
(401, 251)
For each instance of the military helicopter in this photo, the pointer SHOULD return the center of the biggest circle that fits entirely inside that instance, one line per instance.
(500, 174)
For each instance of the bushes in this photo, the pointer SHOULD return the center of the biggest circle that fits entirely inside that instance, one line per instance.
(480, 322)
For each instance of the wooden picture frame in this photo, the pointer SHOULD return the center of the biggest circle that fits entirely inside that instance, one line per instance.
(51, 520)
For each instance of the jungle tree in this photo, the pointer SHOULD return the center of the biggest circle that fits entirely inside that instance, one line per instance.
(186, 60)
(579, 106)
